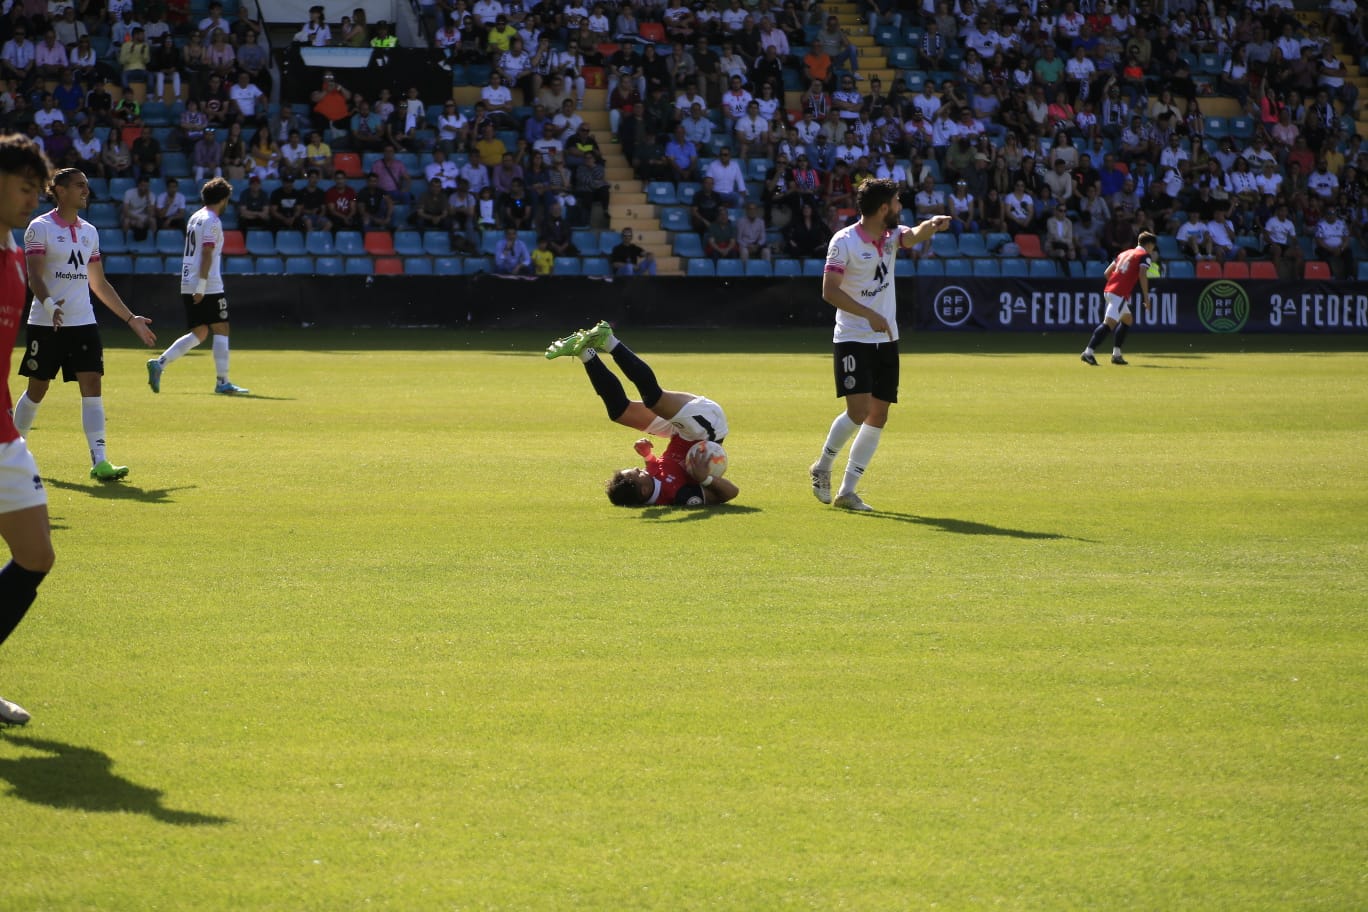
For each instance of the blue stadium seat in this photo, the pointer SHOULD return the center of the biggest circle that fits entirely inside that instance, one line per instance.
(787, 267)
(566, 266)
(1093, 269)
(685, 190)
(103, 215)
(446, 266)
(118, 265)
(1179, 269)
(595, 266)
(146, 247)
(1362, 271)
(476, 264)
(408, 243)
(915, 80)
(358, 265)
(289, 243)
(759, 269)
(417, 265)
(995, 240)
(971, 245)
(177, 165)
(700, 266)
(904, 268)
(958, 267)
(672, 218)
(99, 189)
(112, 241)
(1015, 267)
(238, 265)
(903, 58)
(944, 244)
(328, 265)
(156, 114)
(930, 267)
(1043, 269)
(813, 267)
(687, 245)
(887, 35)
(661, 193)
(1168, 247)
(1242, 127)
(757, 169)
(586, 241)
(987, 268)
(349, 243)
(260, 242)
(299, 265)
(270, 265)
(319, 243)
(118, 186)
(730, 268)
(170, 242)
(436, 243)
(1208, 64)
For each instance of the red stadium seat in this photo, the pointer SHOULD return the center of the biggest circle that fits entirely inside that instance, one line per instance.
(1262, 269)
(234, 244)
(1029, 245)
(1316, 269)
(1209, 269)
(379, 243)
(652, 31)
(1236, 271)
(349, 163)
(389, 266)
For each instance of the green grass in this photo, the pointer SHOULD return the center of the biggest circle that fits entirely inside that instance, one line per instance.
(375, 639)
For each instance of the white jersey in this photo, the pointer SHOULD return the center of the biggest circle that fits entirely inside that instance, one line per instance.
(203, 239)
(866, 266)
(66, 248)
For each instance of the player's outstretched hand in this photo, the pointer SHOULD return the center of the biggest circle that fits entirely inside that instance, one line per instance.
(644, 447)
(141, 328)
(940, 222)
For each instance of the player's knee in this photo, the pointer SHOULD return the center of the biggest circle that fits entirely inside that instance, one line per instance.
(36, 556)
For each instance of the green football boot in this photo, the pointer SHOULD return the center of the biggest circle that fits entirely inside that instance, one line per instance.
(567, 346)
(104, 471)
(598, 336)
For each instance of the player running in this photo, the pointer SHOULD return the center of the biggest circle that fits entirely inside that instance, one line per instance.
(682, 417)
(1122, 273)
(858, 282)
(64, 266)
(201, 285)
(23, 500)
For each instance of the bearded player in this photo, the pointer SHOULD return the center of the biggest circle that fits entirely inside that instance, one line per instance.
(682, 417)
(1122, 273)
(858, 282)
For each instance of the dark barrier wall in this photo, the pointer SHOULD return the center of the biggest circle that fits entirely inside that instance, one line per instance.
(937, 304)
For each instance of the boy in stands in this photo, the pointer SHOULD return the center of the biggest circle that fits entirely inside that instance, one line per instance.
(1129, 267)
(682, 417)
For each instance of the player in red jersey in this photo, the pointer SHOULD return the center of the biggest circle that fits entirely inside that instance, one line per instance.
(682, 417)
(23, 501)
(1129, 267)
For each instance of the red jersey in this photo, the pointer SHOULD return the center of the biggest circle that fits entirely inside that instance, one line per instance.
(674, 485)
(13, 307)
(1126, 271)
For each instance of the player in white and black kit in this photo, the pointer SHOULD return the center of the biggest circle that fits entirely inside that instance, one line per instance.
(858, 282)
(62, 251)
(201, 285)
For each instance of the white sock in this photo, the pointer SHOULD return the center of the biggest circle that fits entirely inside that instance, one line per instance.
(221, 358)
(93, 421)
(24, 412)
(861, 451)
(842, 429)
(1116, 351)
(178, 348)
(1088, 350)
(611, 344)
(588, 355)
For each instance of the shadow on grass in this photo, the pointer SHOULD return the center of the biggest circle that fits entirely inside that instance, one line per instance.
(675, 514)
(968, 527)
(82, 779)
(118, 490)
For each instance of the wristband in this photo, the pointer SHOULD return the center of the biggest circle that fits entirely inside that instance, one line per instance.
(203, 284)
(131, 315)
(49, 306)
(707, 481)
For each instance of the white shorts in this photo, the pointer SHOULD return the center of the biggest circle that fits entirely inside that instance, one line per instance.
(1116, 306)
(20, 485)
(700, 419)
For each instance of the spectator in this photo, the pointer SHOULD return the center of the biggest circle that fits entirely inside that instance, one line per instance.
(375, 206)
(837, 46)
(389, 170)
(207, 157)
(165, 64)
(490, 146)
(1280, 244)
(139, 210)
(807, 235)
(313, 203)
(475, 173)
(171, 206)
(315, 32)
(220, 57)
(318, 153)
(578, 147)
(543, 259)
(285, 209)
(719, 241)
(331, 105)
(453, 130)
(50, 57)
(263, 156)
(134, 56)
(1059, 233)
(499, 101)
(89, 152)
(432, 211)
(69, 29)
(511, 256)
(752, 234)
(591, 185)
(254, 59)
(1020, 209)
(367, 128)
(339, 203)
(704, 209)
(929, 201)
(752, 132)
(147, 153)
(254, 206)
(728, 180)
(294, 156)
(354, 31)
(246, 99)
(17, 59)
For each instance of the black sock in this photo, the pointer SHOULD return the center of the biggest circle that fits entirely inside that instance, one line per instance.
(1098, 336)
(18, 589)
(1121, 330)
(641, 375)
(608, 387)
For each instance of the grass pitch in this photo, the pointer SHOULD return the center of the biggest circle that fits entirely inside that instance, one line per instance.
(373, 638)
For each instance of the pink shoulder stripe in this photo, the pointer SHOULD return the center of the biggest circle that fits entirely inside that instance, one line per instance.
(833, 267)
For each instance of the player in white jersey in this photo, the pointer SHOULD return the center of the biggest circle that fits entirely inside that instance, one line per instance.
(858, 282)
(62, 251)
(201, 285)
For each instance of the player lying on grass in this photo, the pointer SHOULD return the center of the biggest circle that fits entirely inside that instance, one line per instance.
(682, 417)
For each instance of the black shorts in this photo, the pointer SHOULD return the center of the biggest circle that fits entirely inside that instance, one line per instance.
(212, 308)
(867, 367)
(71, 349)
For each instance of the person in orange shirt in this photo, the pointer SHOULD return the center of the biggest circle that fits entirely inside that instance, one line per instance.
(817, 65)
(331, 105)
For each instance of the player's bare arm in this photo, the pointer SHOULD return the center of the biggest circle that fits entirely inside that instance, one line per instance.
(720, 491)
(100, 287)
(934, 225)
(836, 297)
(40, 291)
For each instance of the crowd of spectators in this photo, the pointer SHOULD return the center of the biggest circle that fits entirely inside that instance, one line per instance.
(1077, 124)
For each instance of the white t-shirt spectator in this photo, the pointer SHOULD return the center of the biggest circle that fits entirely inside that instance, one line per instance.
(1191, 232)
(1331, 232)
(496, 97)
(1323, 184)
(486, 11)
(1280, 231)
(727, 178)
(245, 97)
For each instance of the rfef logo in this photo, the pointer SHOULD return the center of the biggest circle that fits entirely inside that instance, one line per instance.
(1223, 307)
(953, 305)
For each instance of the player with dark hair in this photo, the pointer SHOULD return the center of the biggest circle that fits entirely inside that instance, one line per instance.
(1122, 273)
(682, 417)
(201, 285)
(23, 500)
(62, 251)
(858, 282)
